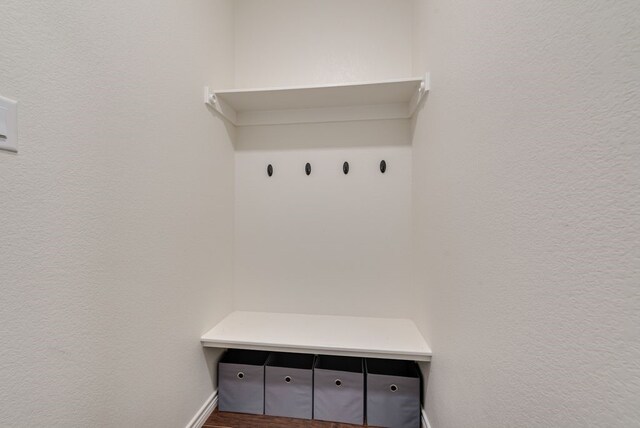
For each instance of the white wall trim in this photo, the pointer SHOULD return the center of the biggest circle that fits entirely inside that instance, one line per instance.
(425, 419)
(205, 411)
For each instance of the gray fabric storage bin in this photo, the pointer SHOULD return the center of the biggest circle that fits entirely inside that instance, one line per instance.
(241, 381)
(288, 385)
(393, 393)
(338, 389)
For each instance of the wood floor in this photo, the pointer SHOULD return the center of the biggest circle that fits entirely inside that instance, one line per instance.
(238, 420)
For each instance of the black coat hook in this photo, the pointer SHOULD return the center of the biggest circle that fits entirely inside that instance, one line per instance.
(307, 168)
(345, 168)
(270, 170)
(383, 166)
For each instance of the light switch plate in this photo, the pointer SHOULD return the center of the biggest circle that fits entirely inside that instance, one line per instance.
(8, 125)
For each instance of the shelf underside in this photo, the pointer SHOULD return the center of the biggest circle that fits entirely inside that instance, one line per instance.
(395, 99)
(320, 334)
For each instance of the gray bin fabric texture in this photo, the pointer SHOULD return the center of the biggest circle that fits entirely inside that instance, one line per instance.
(241, 381)
(393, 393)
(339, 389)
(288, 386)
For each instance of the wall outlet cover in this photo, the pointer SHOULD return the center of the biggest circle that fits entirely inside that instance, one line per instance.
(8, 125)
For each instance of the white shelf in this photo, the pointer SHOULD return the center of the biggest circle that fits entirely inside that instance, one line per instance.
(320, 334)
(391, 99)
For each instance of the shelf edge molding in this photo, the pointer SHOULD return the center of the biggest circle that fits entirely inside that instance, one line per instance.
(390, 99)
(320, 334)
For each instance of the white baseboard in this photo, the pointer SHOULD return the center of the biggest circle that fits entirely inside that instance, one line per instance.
(425, 419)
(205, 411)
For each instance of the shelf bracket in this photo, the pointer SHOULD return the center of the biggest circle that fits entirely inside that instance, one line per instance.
(425, 86)
(213, 101)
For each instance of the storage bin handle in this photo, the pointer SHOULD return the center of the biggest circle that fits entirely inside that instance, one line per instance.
(240, 375)
(393, 387)
(338, 383)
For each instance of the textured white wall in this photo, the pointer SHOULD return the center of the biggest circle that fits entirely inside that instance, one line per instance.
(116, 215)
(328, 243)
(527, 202)
(301, 42)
